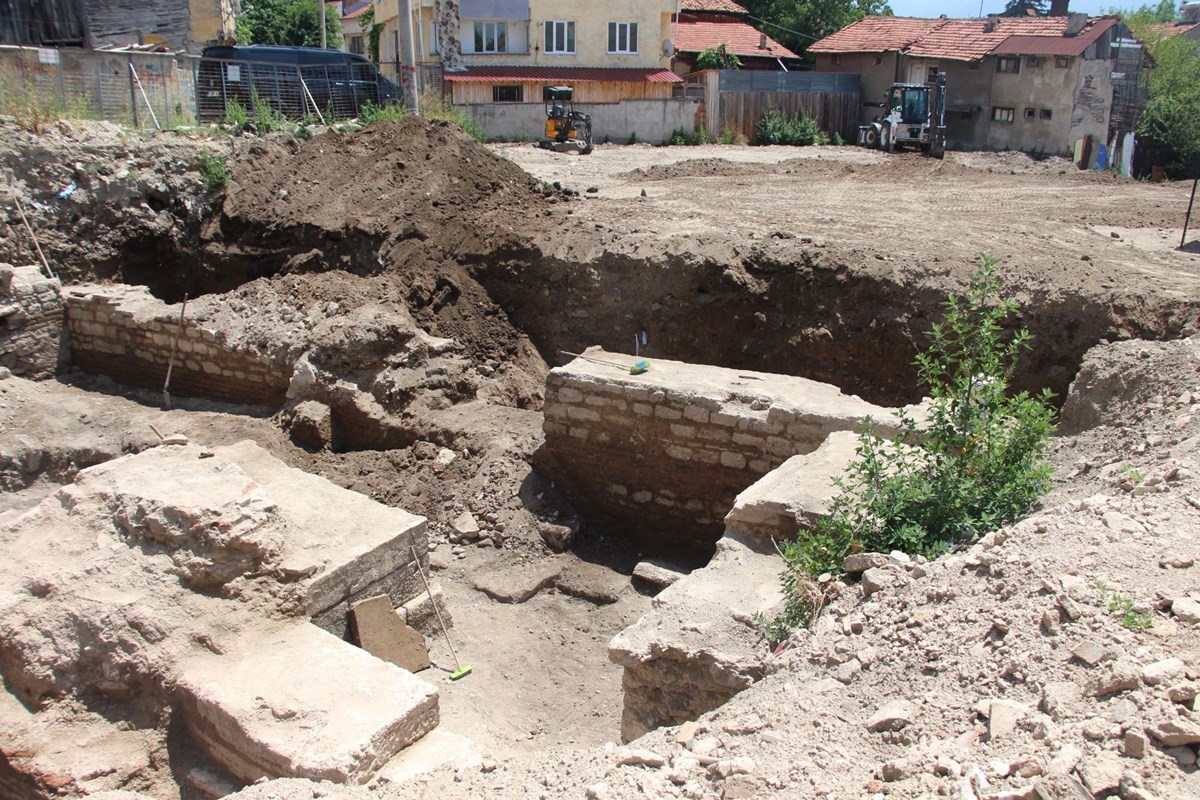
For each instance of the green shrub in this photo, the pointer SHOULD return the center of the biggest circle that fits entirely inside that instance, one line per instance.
(678, 136)
(837, 139)
(266, 118)
(236, 115)
(214, 172)
(698, 137)
(717, 57)
(978, 462)
(775, 127)
(370, 113)
(433, 107)
(633, 138)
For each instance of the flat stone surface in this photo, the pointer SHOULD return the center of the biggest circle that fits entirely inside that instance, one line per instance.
(518, 583)
(294, 701)
(656, 573)
(591, 582)
(794, 496)
(383, 634)
(436, 749)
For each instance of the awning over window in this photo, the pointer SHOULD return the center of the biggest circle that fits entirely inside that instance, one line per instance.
(494, 9)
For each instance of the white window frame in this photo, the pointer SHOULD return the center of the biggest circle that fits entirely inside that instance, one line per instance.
(562, 42)
(479, 33)
(1004, 114)
(630, 29)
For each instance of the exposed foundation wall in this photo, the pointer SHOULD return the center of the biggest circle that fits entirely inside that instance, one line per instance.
(127, 334)
(31, 317)
(661, 456)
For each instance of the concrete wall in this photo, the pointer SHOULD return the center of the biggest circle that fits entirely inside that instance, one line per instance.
(1044, 87)
(876, 77)
(661, 456)
(126, 333)
(652, 120)
(31, 319)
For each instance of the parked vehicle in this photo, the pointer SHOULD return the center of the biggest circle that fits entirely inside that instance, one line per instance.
(293, 81)
(916, 115)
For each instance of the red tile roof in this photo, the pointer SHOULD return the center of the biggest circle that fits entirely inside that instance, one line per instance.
(964, 39)
(354, 10)
(1169, 29)
(718, 6)
(741, 38)
(875, 35)
(563, 75)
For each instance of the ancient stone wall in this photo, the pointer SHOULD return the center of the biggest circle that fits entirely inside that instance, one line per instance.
(127, 334)
(662, 455)
(31, 310)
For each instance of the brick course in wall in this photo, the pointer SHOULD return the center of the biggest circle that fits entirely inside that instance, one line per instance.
(661, 456)
(31, 320)
(127, 334)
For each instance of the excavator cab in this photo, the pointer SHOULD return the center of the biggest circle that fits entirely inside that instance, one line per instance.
(916, 116)
(566, 128)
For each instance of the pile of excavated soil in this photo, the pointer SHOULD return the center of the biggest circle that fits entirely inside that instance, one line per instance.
(694, 168)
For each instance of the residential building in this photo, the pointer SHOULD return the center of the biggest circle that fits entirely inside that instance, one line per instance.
(704, 24)
(176, 24)
(1041, 84)
(354, 38)
(1187, 26)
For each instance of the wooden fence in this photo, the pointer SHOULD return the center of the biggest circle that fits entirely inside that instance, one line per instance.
(734, 100)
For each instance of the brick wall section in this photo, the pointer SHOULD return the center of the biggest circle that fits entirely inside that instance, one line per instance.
(661, 456)
(126, 334)
(31, 320)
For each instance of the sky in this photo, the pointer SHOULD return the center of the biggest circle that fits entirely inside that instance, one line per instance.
(970, 8)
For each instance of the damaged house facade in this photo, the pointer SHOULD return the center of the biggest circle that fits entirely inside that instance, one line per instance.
(1062, 84)
(176, 24)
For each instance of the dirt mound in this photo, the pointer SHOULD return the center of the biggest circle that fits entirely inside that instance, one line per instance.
(406, 178)
(695, 168)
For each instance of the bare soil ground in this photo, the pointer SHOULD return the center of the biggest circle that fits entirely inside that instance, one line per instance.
(826, 262)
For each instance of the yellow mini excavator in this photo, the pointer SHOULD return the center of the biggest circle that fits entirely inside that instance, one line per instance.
(566, 128)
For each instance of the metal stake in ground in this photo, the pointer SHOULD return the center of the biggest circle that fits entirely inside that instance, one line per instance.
(174, 349)
(460, 671)
(636, 368)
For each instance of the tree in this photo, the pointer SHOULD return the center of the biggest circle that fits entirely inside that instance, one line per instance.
(798, 23)
(288, 22)
(1022, 8)
(718, 57)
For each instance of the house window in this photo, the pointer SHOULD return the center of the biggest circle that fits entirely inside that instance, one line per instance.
(1034, 61)
(508, 94)
(491, 37)
(356, 45)
(622, 37)
(1002, 114)
(1045, 113)
(931, 75)
(560, 36)
(1030, 113)
(1062, 62)
(1005, 64)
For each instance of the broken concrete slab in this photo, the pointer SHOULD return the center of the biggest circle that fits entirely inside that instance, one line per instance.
(657, 574)
(293, 701)
(698, 646)
(792, 497)
(518, 583)
(384, 635)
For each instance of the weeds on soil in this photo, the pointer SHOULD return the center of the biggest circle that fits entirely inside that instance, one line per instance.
(1131, 618)
(434, 107)
(371, 113)
(977, 462)
(775, 127)
(214, 172)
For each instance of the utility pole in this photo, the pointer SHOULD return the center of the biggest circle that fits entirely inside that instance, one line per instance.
(324, 43)
(408, 79)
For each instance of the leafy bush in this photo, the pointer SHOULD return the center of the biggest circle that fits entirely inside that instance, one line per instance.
(730, 136)
(775, 127)
(678, 136)
(236, 115)
(717, 57)
(214, 172)
(837, 139)
(370, 113)
(633, 138)
(978, 462)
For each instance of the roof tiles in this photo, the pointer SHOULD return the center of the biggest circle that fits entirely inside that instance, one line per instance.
(963, 39)
(740, 38)
(718, 6)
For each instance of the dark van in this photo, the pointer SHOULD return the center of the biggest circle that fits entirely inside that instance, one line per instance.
(292, 81)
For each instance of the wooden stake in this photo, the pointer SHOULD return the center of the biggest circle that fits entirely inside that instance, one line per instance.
(36, 246)
(1187, 220)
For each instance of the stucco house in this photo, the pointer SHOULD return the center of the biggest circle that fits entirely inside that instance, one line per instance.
(175, 24)
(1058, 84)
(505, 51)
(703, 24)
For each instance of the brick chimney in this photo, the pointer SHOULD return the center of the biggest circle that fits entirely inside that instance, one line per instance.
(992, 21)
(1058, 8)
(762, 41)
(1076, 22)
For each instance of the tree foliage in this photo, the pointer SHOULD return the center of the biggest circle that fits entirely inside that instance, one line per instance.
(798, 23)
(1169, 128)
(1025, 8)
(718, 57)
(287, 22)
